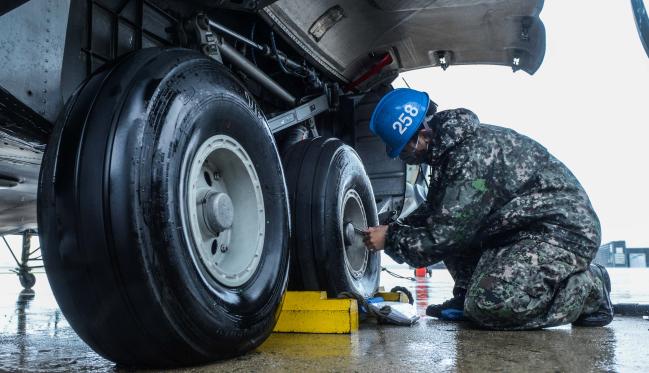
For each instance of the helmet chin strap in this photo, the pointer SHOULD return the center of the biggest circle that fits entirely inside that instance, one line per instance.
(425, 128)
(412, 155)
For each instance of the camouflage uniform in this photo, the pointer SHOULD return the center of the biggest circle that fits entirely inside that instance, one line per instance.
(512, 223)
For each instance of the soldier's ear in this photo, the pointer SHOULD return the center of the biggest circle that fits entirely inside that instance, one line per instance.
(427, 133)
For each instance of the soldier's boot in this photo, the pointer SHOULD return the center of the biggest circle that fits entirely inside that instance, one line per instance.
(604, 314)
(453, 306)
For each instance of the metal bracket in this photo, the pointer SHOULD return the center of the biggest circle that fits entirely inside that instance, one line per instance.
(444, 59)
(207, 41)
(299, 114)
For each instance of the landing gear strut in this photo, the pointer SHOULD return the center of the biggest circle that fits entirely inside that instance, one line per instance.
(23, 268)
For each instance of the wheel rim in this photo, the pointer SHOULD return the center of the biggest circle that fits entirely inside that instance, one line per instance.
(226, 211)
(353, 213)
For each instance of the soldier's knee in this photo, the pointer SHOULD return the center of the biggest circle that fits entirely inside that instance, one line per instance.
(487, 312)
(484, 299)
(497, 304)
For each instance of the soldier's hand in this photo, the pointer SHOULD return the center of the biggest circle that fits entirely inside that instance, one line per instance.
(374, 237)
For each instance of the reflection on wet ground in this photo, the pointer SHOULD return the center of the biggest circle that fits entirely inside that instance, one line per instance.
(629, 285)
(34, 336)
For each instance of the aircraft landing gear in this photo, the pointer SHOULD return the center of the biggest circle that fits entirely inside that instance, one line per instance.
(23, 268)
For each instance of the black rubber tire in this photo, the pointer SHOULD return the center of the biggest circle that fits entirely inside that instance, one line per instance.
(300, 169)
(319, 173)
(293, 155)
(27, 280)
(110, 213)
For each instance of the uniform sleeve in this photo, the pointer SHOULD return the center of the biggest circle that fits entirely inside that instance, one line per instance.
(418, 216)
(454, 220)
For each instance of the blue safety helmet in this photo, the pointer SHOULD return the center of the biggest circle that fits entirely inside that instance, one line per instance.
(397, 117)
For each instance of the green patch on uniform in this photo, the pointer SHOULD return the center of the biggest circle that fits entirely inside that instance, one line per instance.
(479, 185)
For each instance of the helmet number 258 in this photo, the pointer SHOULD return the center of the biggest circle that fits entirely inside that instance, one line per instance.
(405, 119)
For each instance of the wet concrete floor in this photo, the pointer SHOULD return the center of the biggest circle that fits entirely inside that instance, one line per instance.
(35, 337)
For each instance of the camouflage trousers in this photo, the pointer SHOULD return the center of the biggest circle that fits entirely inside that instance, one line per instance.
(525, 285)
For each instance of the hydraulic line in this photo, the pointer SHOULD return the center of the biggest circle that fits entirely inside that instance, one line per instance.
(236, 35)
(241, 62)
(273, 53)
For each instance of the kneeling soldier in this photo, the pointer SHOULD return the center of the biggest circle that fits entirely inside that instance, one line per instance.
(513, 225)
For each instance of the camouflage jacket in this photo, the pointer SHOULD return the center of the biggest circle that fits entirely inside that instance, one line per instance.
(491, 186)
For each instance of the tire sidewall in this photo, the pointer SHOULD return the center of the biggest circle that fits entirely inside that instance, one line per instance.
(191, 104)
(347, 173)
